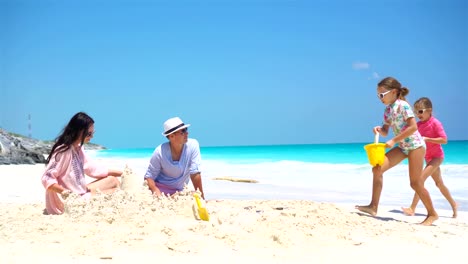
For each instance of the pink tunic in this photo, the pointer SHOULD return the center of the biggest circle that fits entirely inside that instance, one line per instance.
(68, 169)
(432, 128)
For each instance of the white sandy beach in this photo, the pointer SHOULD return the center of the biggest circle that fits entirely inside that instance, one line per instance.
(133, 227)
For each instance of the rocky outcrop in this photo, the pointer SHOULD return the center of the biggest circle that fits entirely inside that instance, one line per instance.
(17, 149)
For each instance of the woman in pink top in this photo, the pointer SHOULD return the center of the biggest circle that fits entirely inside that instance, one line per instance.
(67, 165)
(434, 135)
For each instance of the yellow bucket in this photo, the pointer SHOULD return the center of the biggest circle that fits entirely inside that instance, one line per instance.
(375, 153)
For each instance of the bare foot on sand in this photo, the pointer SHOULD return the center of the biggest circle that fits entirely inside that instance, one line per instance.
(407, 211)
(455, 210)
(367, 209)
(429, 220)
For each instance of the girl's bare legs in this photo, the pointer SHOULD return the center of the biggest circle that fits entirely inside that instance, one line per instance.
(392, 158)
(106, 185)
(430, 169)
(415, 165)
(437, 176)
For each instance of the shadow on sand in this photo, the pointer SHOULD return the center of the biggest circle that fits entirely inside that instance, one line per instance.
(417, 214)
(386, 219)
(401, 212)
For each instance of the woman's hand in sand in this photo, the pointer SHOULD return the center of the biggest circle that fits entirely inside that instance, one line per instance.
(65, 194)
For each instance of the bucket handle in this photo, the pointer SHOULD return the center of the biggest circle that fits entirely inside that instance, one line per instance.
(376, 137)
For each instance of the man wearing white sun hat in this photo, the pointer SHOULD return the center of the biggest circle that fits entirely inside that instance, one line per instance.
(174, 162)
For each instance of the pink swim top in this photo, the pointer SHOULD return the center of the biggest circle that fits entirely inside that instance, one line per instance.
(432, 128)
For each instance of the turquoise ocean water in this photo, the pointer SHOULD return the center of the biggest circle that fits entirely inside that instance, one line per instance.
(456, 152)
(321, 172)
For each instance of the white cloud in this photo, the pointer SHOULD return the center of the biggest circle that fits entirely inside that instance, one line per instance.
(360, 65)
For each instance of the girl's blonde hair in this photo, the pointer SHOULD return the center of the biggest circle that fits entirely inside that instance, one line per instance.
(423, 102)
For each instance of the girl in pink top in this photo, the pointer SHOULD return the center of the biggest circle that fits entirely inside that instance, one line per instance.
(67, 165)
(433, 133)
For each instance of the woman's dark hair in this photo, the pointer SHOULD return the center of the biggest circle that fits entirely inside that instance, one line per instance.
(391, 83)
(77, 128)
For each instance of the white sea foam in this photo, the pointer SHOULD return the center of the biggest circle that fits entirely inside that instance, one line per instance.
(341, 183)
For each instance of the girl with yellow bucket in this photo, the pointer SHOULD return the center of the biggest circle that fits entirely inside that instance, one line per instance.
(399, 116)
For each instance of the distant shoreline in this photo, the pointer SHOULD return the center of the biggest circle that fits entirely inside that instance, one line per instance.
(353, 153)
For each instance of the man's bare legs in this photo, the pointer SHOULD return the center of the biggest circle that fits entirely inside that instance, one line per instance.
(392, 158)
(415, 165)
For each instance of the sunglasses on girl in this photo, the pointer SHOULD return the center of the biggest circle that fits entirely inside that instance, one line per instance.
(382, 95)
(421, 111)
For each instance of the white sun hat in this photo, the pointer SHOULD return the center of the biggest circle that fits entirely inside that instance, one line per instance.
(172, 125)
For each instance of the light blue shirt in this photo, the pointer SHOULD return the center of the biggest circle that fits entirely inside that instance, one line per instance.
(174, 175)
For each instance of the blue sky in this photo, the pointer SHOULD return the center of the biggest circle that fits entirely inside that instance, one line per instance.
(241, 72)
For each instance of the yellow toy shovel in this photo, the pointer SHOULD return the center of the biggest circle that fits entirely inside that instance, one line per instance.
(202, 212)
